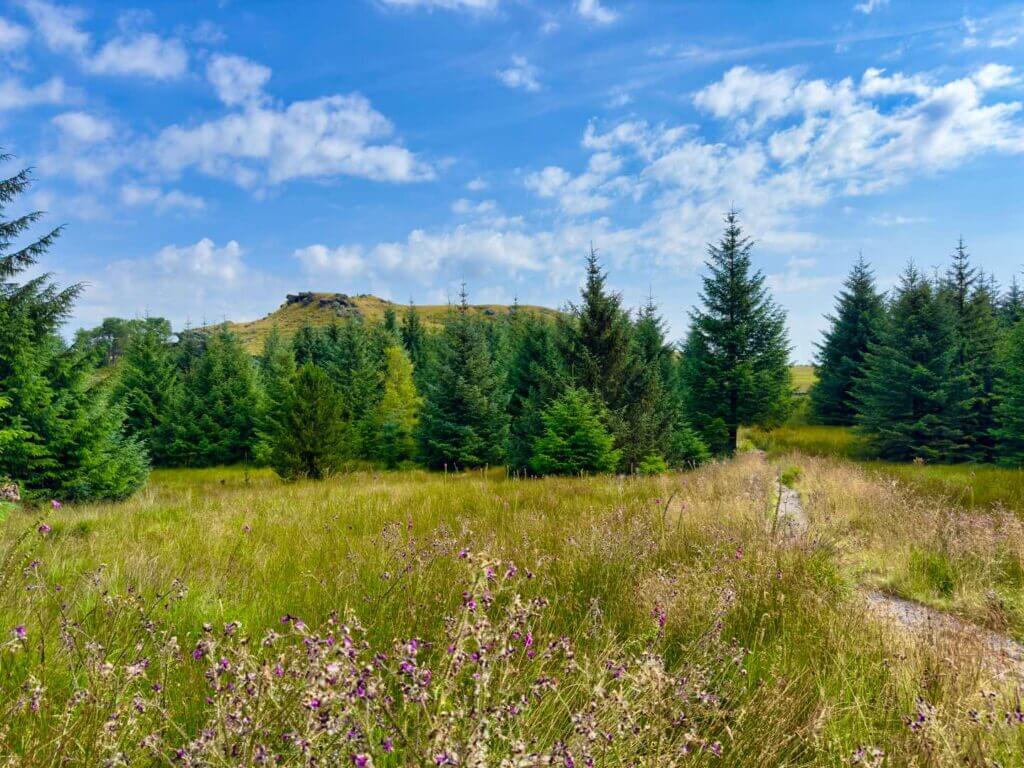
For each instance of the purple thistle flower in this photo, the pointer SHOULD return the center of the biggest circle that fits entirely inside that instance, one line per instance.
(44, 529)
(387, 745)
(20, 632)
(55, 504)
(360, 761)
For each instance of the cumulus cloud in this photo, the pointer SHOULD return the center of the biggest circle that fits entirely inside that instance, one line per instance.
(142, 54)
(236, 79)
(520, 74)
(593, 10)
(203, 259)
(320, 138)
(449, 5)
(135, 195)
(869, 6)
(83, 127)
(14, 94)
(12, 36)
(345, 261)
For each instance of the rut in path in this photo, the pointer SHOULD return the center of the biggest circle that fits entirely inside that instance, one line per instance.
(1003, 655)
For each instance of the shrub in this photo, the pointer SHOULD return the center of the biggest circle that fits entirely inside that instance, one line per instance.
(575, 440)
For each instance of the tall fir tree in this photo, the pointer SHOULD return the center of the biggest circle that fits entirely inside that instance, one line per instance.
(858, 318)
(975, 338)
(146, 386)
(353, 360)
(464, 422)
(417, 344)
(63, 436)
(398, 412)
(213, 420)
(309, 436)
(536, 377)
(1009, 429)
(907, 401)
(597, 340)
(736, 368)
(1011, 306)
(390, 323)
(276, 374)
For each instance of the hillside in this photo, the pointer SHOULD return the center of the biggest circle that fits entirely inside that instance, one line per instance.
(320, 309)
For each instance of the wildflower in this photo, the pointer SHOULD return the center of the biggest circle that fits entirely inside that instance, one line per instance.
(716, 749)
(361, 761)
(55, 504)
(20, 632)
(44, 529)
(387, 745)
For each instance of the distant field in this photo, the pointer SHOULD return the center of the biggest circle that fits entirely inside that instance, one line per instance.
(290, 317)
(803, 377)
(971, 485)
(424, 619)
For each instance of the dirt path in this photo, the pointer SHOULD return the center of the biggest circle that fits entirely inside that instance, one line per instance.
(1004, 656)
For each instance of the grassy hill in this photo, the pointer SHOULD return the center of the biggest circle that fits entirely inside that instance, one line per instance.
(320, 309)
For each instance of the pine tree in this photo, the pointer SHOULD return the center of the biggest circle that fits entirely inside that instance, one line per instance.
(276, 373)
(736, 369)
(416, 343)
(398, 411)
(464, 422)
(390, 324)
(213, 420)
(859, 314)
(309, 441)
(907, 402)
(146, 386)
(536, 377)
(575, 440)
(597, 348)
(975, 338)
(63, 438)
(353, 361)
(1009, 429)
(1011, 307)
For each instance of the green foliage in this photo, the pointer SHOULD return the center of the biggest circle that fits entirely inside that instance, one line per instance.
(736, 358)
(146, 386)
(213, 419)
(652, 465)
(62, 437)
(309, 441)
(276, 374)
(398, 411)
(908, 400)
(1009, 434)
(416, 343)
(108, 342)
(855, 325)
(536, 378)
(575, 440)
(465, 421)
(1011, 307)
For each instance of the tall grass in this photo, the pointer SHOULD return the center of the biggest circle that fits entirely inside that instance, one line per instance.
(222, 618)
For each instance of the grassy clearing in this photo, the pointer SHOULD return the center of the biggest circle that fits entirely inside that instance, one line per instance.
(967, 485)
(647, 599)
(803, 377)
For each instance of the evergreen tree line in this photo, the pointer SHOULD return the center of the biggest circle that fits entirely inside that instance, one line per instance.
(934, 371)
(598, 389)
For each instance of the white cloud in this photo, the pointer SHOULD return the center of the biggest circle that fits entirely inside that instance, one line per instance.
(464, 207)
(449, 5)
(12, 36)
(870, 6)
(83, 127)
(520, 74)
(898, 220)
(345, 261)
(145, 55)
(139, 195)
(325, 137)
(16, 95)
(995, 76)
(203, 260)
(236, 79)
(133, 53)
(476, 185)
(593, 10)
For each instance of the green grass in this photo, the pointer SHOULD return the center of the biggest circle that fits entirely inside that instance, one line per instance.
(803, 377)
(670, 592)
(969, 485)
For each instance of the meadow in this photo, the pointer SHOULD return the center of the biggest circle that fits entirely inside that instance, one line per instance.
(221, 617)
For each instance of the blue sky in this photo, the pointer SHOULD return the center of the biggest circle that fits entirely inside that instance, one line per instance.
(207, 158)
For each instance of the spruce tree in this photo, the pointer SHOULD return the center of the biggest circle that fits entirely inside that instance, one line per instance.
(213, 420)
(536, 378)
(1011, 307)
(416, 343)
(597, 340)
(975, 338)
(1009, 429)
(390, 324)
(575, 440)
(908, 406)
(353, 361)
(464, 422)
(855, 325)
(398, 411)
(146, 386)
(737, 352)
(309, 439)
(276, 373)
(63, 438)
